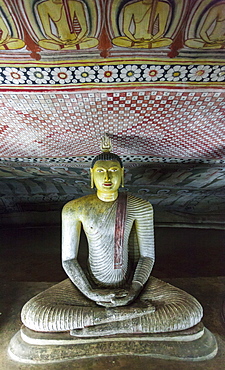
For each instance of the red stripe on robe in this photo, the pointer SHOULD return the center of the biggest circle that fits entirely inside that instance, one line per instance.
(119, 230)
(68, 17)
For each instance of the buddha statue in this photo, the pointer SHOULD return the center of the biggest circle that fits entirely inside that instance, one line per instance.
(114, 293)
(110, 300)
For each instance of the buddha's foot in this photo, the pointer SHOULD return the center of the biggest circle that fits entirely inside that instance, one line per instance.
(117, 321)
(105, 329)
(122, 313)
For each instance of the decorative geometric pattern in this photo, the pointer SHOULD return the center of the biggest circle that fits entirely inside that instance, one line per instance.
(113, 74)
(158, 123)
(85, 161)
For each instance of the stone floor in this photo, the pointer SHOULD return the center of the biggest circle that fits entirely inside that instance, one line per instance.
(30, 262)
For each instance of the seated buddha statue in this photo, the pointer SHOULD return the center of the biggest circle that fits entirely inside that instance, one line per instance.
(113, 292)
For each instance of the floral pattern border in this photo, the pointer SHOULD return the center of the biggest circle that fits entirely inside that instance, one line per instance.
(122, 73)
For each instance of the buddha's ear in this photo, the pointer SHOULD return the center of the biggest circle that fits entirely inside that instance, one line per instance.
(122, 177)
(92, 178)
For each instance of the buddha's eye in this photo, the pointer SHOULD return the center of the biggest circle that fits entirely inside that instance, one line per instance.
(114, 169)
(99, 170)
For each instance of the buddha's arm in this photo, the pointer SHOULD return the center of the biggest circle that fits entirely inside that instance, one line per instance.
(145, 235)
(162, 12)
(127, 18)
(4, 30)
(71, 226)
(211, 17)
(45, 20)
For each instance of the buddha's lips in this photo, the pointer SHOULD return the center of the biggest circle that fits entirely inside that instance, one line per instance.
(107, 184)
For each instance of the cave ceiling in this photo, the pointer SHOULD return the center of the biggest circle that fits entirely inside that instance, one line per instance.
(150, 74)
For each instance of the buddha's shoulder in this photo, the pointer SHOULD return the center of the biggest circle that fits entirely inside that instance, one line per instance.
(79, 203)
(138, 201)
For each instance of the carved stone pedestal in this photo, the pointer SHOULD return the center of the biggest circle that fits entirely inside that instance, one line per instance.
(195, 344)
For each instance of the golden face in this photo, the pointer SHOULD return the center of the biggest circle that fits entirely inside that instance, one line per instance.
(107, 175)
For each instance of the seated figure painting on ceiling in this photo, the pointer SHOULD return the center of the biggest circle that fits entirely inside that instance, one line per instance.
(9, 39)
(58, 25)
(144, 24)
(207, 28)
(112, 291)
(64, 22)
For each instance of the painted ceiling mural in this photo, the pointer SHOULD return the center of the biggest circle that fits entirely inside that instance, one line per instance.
(150, 73)
(112, 27)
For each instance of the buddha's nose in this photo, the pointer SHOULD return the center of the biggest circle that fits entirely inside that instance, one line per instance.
(107, 177)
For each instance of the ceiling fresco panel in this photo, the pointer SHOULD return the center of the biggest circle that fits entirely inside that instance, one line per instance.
(72, 29)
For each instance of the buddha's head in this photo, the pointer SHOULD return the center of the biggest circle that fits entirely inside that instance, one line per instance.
(107, 174)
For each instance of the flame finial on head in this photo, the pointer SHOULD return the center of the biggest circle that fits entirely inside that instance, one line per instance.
(106, 145)
(106, 154)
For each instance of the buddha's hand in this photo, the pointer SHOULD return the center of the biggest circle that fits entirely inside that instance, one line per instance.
(73, 42)
(142, 39)
(104, 297)
(123, 297)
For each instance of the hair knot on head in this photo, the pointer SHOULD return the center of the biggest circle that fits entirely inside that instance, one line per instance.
(106, 154)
